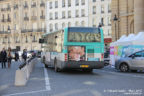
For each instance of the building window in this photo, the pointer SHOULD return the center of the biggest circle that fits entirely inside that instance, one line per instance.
(50, 5)
(63, 14)
(83, 12)
(50, 16)
(102, 21)
(56, 15)
(94, 9)
(51, 27)
(94, 0)
(82, 2)
(69, 24)
(63, 25)
(102, 9)
(56, 26)
(109, 21)
(63, 3)
(76, 2)
(109, 8)
(83, 23)
(69, 14)
(77, 13)
(76, 23)
(15, 15)
(69, 3)
(56, 4)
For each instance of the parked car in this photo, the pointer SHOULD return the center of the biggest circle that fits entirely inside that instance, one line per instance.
(106, 58)
(132, 62)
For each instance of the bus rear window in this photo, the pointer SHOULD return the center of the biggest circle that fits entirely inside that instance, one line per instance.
(85, 36)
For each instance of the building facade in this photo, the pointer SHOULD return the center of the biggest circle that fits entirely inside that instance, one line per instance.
(127, 17)
(74, 13)
(22, 22)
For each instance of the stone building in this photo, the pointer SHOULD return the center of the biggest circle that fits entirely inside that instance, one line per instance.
(127, 17)
(74, 13)
(22, 22)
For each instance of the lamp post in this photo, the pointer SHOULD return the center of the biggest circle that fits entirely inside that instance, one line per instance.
(31, 40)
(8, 38)
(115, 20)
(6, 41)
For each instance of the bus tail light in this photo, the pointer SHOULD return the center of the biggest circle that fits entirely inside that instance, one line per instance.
(65, 57)
(102, 56)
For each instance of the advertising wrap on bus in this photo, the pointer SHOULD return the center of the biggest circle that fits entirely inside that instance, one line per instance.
(76, 53)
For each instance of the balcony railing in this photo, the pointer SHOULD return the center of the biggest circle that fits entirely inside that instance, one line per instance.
(25, 6)
(34, 18)
(4, 20)
(16, 7)
(4, 32)
(3, 9)
(42, 4)
(42, 17)
(33, 5)
(8, 9)
(8, 20)
(33, 30)
(26, 19)
(34, 40)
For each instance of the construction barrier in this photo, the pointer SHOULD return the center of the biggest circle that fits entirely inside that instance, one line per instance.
(23, 73)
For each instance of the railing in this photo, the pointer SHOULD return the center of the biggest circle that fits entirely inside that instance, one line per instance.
(25, 6)
(42, 4)
(33, 5)
(8, 20)
(26, 18)
(8, 9)
(34, 30)
(4, 32)
(34, 18)
(42, 17)
(16, 7)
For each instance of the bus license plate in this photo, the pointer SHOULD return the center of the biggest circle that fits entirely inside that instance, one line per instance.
(84, 66)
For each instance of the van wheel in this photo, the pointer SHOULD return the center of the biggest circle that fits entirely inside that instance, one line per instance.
(55, 66)
(124, 67)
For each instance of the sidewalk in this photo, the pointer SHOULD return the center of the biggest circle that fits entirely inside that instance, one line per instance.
(7, 78)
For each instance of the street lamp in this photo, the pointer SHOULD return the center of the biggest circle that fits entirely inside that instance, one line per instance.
(8, 38)
(31, 41)
(115, 20)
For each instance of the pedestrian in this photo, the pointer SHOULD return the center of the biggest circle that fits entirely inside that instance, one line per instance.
(16, 56)
(3, 58)
(9, 57)
(24, 55)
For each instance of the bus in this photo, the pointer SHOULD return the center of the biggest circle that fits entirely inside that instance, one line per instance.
(74, 48)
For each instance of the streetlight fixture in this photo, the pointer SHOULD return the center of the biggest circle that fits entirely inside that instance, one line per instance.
(8, 38)
(31, 41)
(115, 19)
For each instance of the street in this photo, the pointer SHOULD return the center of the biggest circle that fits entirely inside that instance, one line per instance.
(46, 82)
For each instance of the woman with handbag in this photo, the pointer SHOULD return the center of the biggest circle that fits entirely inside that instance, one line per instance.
(9, 57)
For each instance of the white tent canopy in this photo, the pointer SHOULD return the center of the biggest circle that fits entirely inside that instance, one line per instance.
(130, 40)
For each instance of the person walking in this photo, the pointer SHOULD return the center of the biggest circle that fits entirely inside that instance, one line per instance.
(24, 55)
(16, 56)
(3, 58)
(9, 57)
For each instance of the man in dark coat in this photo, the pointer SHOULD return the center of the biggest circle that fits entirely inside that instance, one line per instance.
(3, 58)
